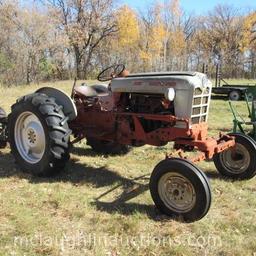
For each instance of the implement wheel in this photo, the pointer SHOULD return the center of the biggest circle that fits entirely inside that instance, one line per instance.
(238, 162)
(235, 95)
(180, 189)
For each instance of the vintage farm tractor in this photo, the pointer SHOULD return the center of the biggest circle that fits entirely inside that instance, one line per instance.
(133, 110)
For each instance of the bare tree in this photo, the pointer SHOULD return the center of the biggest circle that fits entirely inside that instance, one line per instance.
(86, 23)
(66, 37)
(222, 35)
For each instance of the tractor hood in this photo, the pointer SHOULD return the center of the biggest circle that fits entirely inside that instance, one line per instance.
(159, 83)
(174, 73)
(190, 91)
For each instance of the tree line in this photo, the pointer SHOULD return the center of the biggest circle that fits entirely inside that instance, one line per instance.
(63, 39)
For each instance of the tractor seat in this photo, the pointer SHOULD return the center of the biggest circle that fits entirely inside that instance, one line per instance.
(101, 89)
(92, 91)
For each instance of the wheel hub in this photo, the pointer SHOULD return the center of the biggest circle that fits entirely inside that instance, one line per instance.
(177, 192)
(237, 160)
(30, 137)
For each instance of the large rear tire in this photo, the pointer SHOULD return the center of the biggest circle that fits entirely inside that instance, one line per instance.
(179, 189)
(238, 163)
(39, 135)
(107, 147)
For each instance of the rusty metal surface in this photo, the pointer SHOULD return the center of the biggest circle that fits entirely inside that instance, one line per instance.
(85, 91)
(106, 117)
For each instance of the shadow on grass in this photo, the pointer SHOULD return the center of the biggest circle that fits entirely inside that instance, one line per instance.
(75, 172)
(79, 151)
(120, 204)
(127, 208)
(80, 174)
(213, 175)
(7, 166)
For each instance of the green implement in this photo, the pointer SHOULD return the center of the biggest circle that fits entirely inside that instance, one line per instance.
(239, 123)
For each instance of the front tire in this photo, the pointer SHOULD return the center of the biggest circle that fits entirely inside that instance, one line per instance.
(180, 189)
(239, 162)
(39, 135)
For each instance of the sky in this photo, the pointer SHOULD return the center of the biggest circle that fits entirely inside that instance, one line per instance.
(195, 6)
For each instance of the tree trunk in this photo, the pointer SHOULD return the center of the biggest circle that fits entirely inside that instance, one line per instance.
(253, 69)
(78, 59)
(87, 64)
(28, 72)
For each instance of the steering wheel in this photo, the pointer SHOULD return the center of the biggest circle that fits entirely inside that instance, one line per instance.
(111, 72)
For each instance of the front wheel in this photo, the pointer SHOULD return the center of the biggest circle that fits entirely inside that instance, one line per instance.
(238, 162)
(180, 189)
(39, 135)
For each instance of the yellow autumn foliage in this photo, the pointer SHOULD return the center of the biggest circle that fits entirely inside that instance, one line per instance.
(157, 37)
(128, 28)
(177, 41)
(249, 34)
(145, 56)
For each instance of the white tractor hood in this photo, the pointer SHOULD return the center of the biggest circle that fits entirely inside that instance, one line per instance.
(159, 83)
(190, 91)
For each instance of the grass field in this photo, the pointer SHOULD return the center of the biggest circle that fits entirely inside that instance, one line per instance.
(101, 205)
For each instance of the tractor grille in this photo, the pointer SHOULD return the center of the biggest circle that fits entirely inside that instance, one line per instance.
(201, 101)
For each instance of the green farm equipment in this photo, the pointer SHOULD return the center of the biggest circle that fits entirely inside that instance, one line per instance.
(239, 123)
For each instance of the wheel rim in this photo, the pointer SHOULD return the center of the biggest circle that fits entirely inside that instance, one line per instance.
(234, 95)
(250, 97)
(177, 192)
(236, 160)
(29, 137)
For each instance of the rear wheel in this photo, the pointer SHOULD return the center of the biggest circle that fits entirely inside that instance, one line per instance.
(39, 134)
(238, 162)
(107, 147)
(180, 189)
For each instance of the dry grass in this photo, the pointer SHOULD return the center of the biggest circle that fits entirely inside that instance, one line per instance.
(101, 205)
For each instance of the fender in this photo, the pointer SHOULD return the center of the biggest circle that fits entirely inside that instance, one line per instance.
(61, 98)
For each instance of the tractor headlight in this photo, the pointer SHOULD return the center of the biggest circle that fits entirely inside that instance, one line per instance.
(170, 94)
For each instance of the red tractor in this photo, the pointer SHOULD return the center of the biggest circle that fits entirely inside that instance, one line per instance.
(133, 110)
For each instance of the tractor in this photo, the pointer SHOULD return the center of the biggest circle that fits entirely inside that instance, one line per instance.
(131, 111)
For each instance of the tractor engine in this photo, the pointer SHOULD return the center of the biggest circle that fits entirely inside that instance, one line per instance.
(149, 103)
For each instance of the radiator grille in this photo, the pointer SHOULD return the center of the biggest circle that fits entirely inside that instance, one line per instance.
(200, 106)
